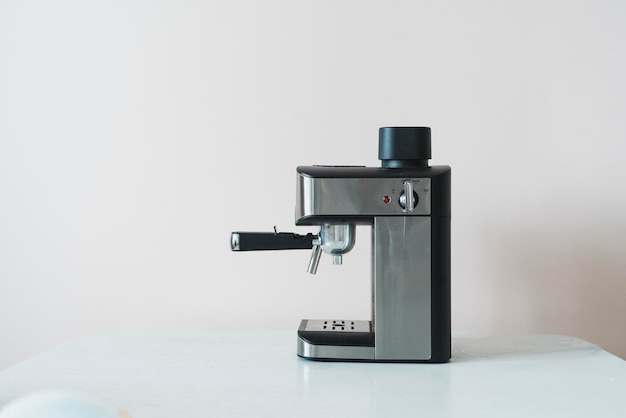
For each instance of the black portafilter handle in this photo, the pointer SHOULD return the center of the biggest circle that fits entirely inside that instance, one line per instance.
(259, 241)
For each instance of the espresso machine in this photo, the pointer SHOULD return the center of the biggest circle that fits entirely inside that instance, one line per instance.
(407, 204)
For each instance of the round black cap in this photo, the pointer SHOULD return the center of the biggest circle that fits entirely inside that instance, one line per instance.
(404, 146)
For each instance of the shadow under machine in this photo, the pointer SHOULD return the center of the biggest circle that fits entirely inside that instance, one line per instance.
(407, 204)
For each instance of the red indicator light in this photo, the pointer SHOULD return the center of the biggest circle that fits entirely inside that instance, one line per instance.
(386, 199)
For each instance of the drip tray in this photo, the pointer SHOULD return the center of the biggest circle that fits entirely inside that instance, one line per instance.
(337, 325)
(337, 332)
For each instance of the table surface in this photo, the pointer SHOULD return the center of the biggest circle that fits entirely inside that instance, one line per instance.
(195, 373)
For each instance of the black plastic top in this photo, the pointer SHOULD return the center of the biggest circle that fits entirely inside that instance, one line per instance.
(403, 147)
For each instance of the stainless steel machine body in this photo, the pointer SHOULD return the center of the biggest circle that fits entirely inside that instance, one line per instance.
(407, 204)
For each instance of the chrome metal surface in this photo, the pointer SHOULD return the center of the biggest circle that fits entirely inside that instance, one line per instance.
(315, 259)
(358, 196)
(334, 352)
(407, 200)
(337, 239)
(234, 242)
(402, 287)
(337, 259)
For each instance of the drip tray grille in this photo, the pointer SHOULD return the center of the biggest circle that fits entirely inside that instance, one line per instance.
(337, 325)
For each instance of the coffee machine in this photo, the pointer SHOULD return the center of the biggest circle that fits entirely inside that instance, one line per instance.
(407, 204)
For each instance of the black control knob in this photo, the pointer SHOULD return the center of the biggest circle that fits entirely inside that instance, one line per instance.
(403, 147)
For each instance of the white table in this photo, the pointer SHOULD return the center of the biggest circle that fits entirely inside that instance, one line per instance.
(193, 373)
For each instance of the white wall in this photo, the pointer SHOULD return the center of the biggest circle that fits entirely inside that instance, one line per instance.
(136, 135)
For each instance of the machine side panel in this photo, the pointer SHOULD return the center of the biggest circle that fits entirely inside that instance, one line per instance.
(441, 320)
(402, 287)
(440, 244)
